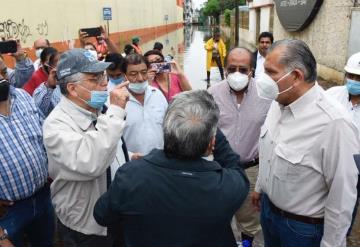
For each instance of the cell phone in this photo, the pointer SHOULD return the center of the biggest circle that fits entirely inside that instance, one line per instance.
(9, 46)
(161, 67)
(92, 32)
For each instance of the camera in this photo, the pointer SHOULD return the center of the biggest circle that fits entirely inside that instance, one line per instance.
(161, 67)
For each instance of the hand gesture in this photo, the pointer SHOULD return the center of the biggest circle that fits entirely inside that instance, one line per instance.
(120, 95)
(255, 199)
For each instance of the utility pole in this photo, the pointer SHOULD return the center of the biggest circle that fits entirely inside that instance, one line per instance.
(237, 22)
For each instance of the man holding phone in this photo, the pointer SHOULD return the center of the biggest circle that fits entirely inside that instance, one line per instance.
(24, 66)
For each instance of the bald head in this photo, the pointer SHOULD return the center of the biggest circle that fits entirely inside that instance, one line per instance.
(239, 59)
(41, 43)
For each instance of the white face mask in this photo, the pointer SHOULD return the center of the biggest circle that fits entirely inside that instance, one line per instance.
(267, 88)
(237, 81)
(138, 87)
(38, 52)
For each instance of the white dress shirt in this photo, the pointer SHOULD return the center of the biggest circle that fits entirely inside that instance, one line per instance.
(259, 65)
(306, 161)
(143, 130)
(341, 94)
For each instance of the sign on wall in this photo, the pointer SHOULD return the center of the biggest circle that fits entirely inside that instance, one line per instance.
(296, 15)
(107, 14)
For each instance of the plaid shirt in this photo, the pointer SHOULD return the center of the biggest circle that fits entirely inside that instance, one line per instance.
(23, 161)
(46, 98)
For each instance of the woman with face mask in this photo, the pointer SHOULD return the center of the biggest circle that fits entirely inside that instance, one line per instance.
(171, 80)
(42, 73)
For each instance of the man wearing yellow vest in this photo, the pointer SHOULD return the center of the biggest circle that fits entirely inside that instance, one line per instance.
(216, 52)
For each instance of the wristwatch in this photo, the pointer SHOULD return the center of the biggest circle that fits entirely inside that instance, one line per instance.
(4, 236)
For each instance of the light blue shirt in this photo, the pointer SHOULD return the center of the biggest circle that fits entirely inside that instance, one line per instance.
(143, 130)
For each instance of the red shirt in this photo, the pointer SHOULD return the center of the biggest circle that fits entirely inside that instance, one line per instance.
(174, 87)
(36, 79)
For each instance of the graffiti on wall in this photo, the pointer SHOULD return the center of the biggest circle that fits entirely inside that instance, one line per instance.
(10, 29)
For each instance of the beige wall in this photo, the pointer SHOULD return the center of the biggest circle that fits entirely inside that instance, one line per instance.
(59, 20)
(327, 37)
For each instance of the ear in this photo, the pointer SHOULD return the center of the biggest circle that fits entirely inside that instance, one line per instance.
(71, 88)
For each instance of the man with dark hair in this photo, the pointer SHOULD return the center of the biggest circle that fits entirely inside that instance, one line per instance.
(307, 173)
(182, 198)
(158, 46)
(265, 40)
(146, 109)
(215, 55)
(42, 73)
(114, 73)
(242, 115)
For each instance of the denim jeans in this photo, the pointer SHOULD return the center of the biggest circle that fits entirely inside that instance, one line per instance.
(34, 217)
(280, 231)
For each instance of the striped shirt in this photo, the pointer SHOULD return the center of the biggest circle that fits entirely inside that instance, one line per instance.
(241, 124)
(23, 161)
(46, 98)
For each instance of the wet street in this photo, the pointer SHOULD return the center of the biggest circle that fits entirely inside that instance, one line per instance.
(187, 47)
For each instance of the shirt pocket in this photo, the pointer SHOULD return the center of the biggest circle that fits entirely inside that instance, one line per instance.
(287, 166)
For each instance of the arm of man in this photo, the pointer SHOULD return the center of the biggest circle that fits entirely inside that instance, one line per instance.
(223, 152)
(84, 155)
(24, 68)
(209, 45)
(339, 143)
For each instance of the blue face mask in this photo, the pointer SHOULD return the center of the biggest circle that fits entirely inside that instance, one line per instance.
(117, 81)
(138, 87)
(353, 87)
(98, 98)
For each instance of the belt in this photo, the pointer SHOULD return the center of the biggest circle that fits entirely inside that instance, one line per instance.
(250, 163)
(301, 218)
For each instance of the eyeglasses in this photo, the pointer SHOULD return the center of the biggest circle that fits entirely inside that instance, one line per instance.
(242, 70)
(99, 78)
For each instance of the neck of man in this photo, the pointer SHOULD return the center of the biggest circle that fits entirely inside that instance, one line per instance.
(5, 107)
(263, 54)
(139, 97)
(355, 99)
(300, 91)
(82, 104)
(239, 95)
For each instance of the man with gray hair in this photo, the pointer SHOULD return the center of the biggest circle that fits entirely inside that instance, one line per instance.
(176, 196)
(307, 174)
(81, 143)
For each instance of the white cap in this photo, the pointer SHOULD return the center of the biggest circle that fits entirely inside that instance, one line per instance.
(353, 64)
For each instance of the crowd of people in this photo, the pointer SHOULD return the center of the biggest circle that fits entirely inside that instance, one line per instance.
(100, 148)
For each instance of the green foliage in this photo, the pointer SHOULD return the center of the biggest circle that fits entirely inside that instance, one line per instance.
(212, 8)
(230, 4)
(227, 16)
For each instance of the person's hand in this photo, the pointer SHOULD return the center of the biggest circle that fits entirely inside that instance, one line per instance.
(104, 33)
(120, 95)
(136, 156)
(175, 68)
(51, 81)
(20, 54)
(151, 74)
(3, 207)
(5, 242)
(83, 36)
(255, 199)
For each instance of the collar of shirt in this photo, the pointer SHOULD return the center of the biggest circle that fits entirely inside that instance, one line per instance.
(259, 56)
(82, 117)
(158, 158)
(299, 105)
(149, 90)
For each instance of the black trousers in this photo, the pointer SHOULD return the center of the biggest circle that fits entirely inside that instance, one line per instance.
(71, 238)
(221, 69)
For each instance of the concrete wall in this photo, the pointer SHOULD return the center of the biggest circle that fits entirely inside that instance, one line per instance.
(327, 37)
(60, 20)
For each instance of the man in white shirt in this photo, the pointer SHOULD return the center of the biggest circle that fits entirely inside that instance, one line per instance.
(307, 173)
(265, 40)
(146, 109)
(349, 96)
(81, 144)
